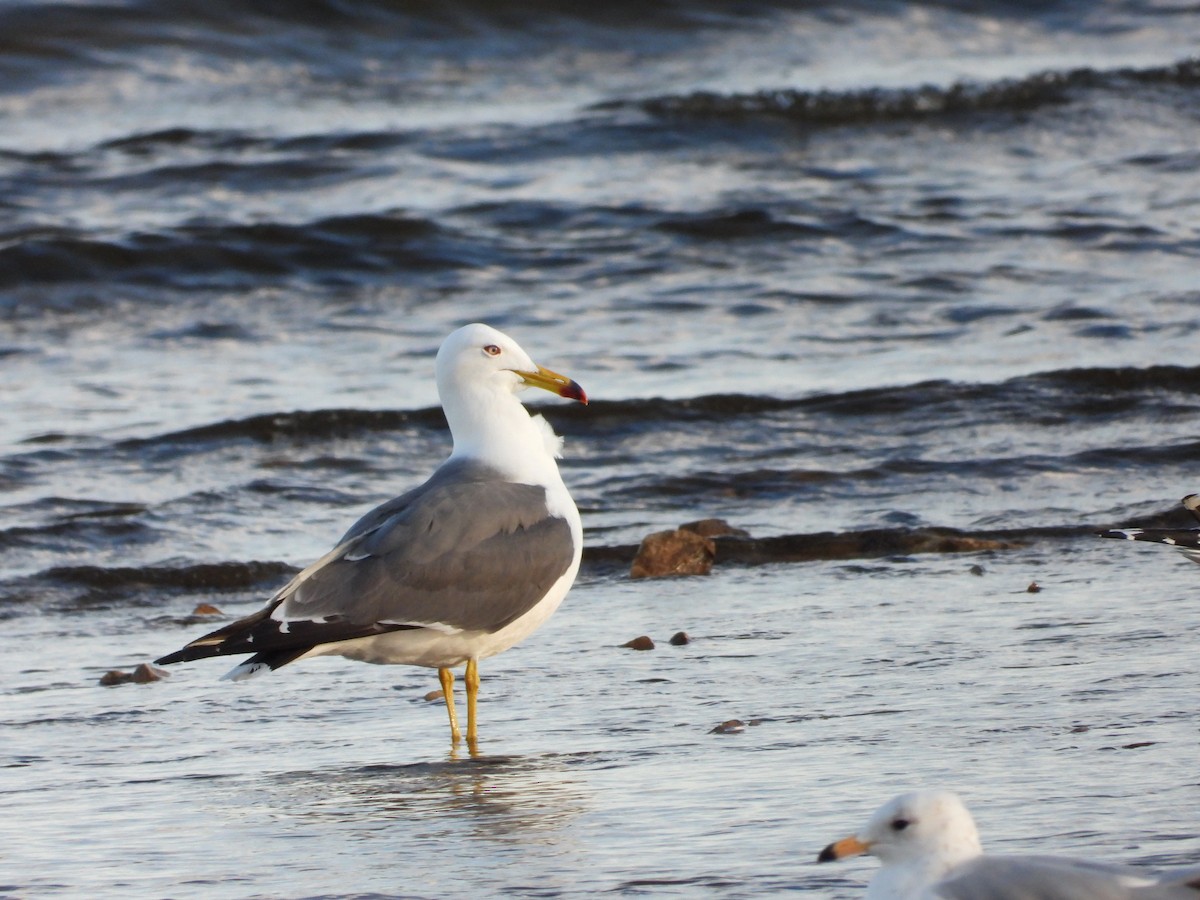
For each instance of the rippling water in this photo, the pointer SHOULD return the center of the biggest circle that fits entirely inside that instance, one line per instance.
(855, 270)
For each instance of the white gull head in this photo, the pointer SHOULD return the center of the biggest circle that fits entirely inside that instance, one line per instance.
(930, 850)
(480, 370)
(919, 837)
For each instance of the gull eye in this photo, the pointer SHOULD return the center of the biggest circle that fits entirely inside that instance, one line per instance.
(491, 350)
(900, 824)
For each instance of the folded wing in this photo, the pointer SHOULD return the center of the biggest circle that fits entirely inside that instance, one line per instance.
(465, 551)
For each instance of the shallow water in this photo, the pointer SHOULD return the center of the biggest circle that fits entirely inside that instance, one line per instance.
(878, 266)
(1065, 716)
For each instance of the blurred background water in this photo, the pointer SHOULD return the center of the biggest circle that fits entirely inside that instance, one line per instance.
(822, 267)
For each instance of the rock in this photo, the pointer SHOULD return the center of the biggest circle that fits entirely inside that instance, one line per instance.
(710, 528)
(206, 609)
(868, 544)
(976, 569)
(435, 695)
(639, 643)
(730, 726)
(143, 674)
(676, 552)
(146, 673)
(791, 548)
(1034, 588)
(679, 638)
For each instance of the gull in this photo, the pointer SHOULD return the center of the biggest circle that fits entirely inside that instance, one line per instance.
(453, 571)
(1186, 540)
(929, 848)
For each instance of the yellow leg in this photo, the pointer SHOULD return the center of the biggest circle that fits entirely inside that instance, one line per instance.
(471, 678)
(446, 677)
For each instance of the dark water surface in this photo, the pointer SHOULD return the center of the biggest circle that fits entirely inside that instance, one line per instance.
(824, 268)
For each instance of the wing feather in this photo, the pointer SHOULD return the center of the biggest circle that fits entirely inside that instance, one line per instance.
(467, 550)
(1050, 878)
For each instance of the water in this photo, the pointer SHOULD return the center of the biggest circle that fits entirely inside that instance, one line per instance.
(876, 266)
(1067, 715)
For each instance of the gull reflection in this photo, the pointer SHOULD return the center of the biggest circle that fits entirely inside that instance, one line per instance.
(507, 799)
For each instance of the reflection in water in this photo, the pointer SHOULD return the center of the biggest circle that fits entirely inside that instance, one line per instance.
(506, 799)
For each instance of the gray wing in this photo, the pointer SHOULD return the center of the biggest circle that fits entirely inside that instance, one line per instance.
(466, 550)
(1052, 878)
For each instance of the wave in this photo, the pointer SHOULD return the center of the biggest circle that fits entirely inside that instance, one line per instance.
(1068, 392)
(205, 255)
(769, 442)
(1061, 395)
(199, 256)
(927, 102)
(225, 576)
(57, 42)
(759, 223)
(90, 586)
(270, 427)
(46, 43)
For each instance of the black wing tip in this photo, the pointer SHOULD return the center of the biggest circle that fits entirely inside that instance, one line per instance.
(273, 660)
(189, 653)
(224, 641)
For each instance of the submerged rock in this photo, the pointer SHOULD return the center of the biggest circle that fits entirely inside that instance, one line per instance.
(872, 543)
(679, 638)
(734, 726)
(146, 673)
(683, 552)
(642, 642)
(206, 609)
(143, 674)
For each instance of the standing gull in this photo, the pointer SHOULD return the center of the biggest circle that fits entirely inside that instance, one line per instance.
(930, 849)
(452, 572)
